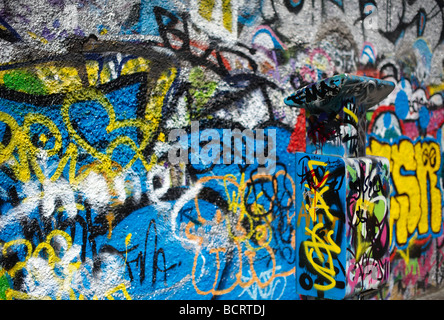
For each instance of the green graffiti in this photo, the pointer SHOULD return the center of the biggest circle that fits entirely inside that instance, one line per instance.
(352, 172)
(201, 89)
(24, 81)
(4, 285)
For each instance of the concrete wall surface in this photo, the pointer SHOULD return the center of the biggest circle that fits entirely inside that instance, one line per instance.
(118, 179)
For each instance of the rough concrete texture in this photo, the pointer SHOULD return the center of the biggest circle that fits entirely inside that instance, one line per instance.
(431, 295)
(93, 94)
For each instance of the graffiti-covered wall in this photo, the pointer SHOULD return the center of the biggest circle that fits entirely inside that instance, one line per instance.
(146, 151)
